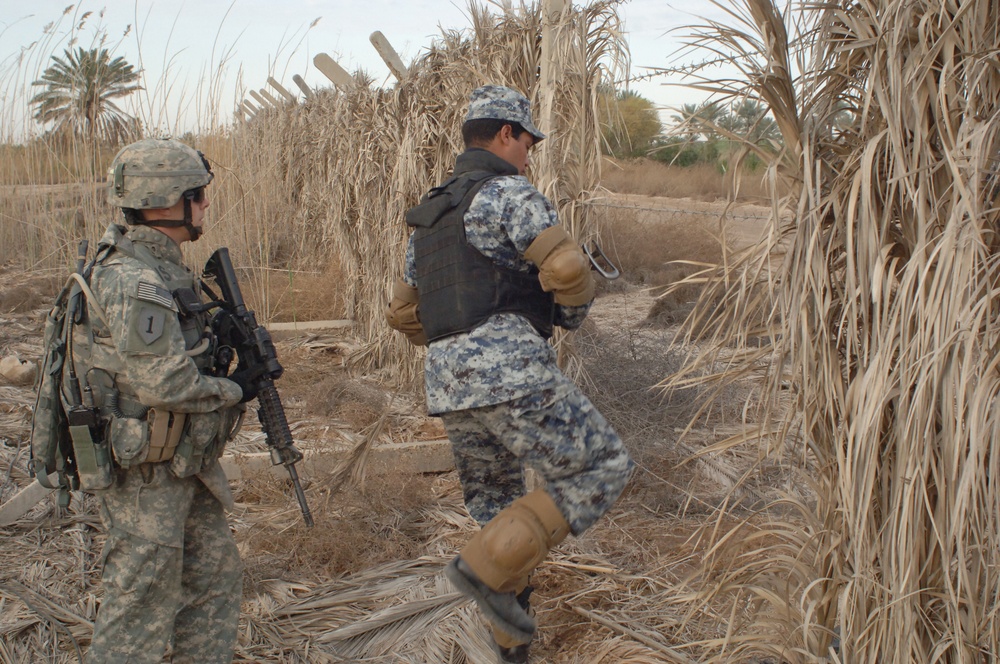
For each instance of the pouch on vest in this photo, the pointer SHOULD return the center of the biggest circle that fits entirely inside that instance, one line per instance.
(90, 452)
(198, 443)
(129, 437)
(165, 431)
(205, 438)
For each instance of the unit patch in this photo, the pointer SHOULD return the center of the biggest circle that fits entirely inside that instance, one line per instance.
(150, 323)
(156, 294)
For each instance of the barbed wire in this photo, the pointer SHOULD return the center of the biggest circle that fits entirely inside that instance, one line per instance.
(699, 213)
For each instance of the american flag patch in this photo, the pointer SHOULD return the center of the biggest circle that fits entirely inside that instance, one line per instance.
(155, 294)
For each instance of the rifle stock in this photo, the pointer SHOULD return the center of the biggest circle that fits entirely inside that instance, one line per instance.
(237, 327)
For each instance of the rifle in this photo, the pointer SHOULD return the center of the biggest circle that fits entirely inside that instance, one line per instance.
(237, 329)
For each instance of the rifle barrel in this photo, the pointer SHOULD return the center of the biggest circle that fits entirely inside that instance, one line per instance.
(279, 438)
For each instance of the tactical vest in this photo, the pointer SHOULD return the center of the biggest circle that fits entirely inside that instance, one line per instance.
(459, 287)
(127, 431)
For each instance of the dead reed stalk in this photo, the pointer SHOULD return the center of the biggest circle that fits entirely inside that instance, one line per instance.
(877, 289)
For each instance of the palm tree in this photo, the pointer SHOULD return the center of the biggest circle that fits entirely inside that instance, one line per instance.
(700, 120)
(750, 120)
(79, 88)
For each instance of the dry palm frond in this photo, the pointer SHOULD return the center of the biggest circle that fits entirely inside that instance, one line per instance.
(353, 469)
(876, 286)
(404, 609)
(52, 613)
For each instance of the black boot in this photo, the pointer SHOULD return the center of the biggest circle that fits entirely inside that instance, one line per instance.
(516, 654)
(502, 609)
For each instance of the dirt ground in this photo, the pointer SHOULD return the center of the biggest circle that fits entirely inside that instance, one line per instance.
(364, 584)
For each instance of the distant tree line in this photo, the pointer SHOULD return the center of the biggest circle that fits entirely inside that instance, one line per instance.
(704, 133)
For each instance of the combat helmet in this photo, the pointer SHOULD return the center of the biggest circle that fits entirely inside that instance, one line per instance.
(156, 173)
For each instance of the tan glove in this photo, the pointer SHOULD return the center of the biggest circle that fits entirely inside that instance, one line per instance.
(402, 313)
(563, 269)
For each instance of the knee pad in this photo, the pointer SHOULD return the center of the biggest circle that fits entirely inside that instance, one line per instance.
(516, 541)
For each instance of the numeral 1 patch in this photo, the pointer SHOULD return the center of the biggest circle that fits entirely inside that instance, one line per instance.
(150, 323)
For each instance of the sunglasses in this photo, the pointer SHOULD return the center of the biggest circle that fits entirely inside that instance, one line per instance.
(198, 195)
(195, 195)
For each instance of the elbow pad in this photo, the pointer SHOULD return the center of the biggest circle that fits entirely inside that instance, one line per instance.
(402, 313)
(563, 269)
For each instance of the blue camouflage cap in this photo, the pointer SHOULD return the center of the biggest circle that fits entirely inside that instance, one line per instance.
(496, 102)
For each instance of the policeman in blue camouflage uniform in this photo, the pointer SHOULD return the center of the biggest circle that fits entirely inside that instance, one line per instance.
(172, 573)
(489, 272)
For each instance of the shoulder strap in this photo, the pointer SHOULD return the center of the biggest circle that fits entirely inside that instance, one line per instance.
(440, 200)
(89, 294)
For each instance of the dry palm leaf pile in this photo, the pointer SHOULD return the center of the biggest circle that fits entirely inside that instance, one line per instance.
(877, 290)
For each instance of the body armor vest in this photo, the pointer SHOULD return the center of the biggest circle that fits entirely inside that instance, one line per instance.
(99, 353)
(459, 287)
(130, 431)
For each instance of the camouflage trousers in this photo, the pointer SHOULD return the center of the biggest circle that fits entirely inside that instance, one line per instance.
(172, 573)
(558, 433)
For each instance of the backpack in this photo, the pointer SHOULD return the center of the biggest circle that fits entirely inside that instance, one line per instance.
(67, 448)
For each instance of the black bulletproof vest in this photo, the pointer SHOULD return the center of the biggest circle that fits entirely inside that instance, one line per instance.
(459, 287)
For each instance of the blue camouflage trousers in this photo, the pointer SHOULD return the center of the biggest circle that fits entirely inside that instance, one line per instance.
(558, 433)
(172, 573)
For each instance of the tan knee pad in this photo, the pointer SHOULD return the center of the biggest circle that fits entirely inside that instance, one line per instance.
(516, 541)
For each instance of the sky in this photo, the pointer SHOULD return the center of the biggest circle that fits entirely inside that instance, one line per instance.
(256, 38)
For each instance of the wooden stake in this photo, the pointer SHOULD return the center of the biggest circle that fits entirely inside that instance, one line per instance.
(281, 89)
(260, 100)
(302, 86)
(333, 71)
(24, 500)
(267, 95)
(551, 14)
(389, 55)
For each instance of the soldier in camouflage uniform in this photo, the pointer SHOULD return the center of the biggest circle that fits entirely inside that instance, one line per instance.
(491, 272)
(172, 573)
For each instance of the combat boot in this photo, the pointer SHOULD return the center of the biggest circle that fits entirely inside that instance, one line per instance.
(509, 650)
(501, 608)
(492, 567)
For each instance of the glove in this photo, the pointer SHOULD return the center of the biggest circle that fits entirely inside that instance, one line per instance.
(247, 380)
(402, 313)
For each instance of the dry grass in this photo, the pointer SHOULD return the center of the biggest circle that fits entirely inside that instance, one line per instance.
(703, 182)
(649, 252)
(310, 199)
(356, 401)
(31, 295)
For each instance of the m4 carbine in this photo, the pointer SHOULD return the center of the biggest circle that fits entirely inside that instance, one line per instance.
(236, 328)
